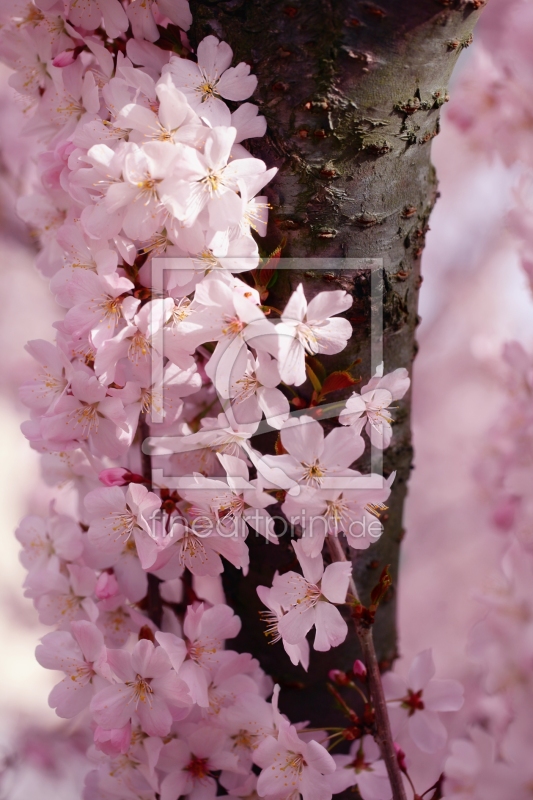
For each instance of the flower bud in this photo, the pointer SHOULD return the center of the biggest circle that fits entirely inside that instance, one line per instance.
(359, 669)
(106, 586)
(64, 59)
(339, 677)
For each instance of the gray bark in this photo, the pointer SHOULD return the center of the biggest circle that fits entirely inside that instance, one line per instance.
(352, 93)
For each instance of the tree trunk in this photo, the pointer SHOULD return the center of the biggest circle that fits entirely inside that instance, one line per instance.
(352, 92)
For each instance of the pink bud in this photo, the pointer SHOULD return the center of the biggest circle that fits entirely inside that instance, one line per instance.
(359, 668)
(114, 742)
(400, 755)
(64, 59)
(106, 586)
(504, 514)
(116, 476)
(338, 676)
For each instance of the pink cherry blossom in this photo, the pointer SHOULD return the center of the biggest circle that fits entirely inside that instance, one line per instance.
(309, 600)
(82, 656)
(290, 765)
(351, 509)
(311, 328)
(148, 690)
(42, 540)
(315, 460)
(372, 405)
(116, 515)
(298, 653)
(205, 630)
(363, 768)
(189, 764)
(418, 700)
(211, 78)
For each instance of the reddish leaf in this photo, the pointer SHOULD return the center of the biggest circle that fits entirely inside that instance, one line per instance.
(336, 381)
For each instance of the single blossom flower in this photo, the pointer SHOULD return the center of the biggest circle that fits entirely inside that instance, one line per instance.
(211, 78)
(372, 405)
(312, 459)
(309, 600)
(289, 766)
(418, 700)
(81, 654)
(147, 691)
(116, 515)
(205, 630)
(311, 328)
(363, 768)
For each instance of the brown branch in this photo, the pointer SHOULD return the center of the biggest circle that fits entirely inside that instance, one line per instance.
(383, 730)
(154, 604)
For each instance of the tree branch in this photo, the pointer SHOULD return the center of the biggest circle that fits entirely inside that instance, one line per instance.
(383, 730)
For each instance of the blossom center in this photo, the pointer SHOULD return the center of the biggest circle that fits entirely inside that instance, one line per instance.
(307, 337)
(207, 88)
(295, 763)
(198, 768)
(249, 386)
(271, 631)
(139, 347)
(112, 308)
(123, 523)
(313, 472)
(413, 701)
(142, 691)
(87, 418)
(212, 182)
(234, 325)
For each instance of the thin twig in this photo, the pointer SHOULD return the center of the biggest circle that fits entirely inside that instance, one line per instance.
(383, 730)
(154, 605)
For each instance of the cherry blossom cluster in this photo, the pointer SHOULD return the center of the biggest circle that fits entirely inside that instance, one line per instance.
(492, 756)
(489, 757)
(165, 366)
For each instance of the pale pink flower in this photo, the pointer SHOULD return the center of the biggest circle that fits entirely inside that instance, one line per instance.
(363, 768)
(116, 515)
(211, 78)
(175, 120)
(205, 630)
(230, 505)
(148, 691)
(247, 721)
(143, 189)
(210, 180)
(88, 414)
(189, 764)
(311, 328)
(58, 537)
(249, 383)
(372, 404)
(298, 653)
(315, 460)
(82, 656)
(473, 770)
(418, 700)
(351, 509)
(308, 600)
(41, 392)
(291, 766)
(61, 598)
(92, 13)
(96, 303)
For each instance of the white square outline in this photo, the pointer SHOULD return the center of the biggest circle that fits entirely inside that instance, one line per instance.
(326, 411)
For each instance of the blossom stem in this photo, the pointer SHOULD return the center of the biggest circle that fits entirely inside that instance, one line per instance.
(154, 608)
(383, 730)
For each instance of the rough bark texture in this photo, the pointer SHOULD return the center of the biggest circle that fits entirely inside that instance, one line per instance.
(352, 92)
